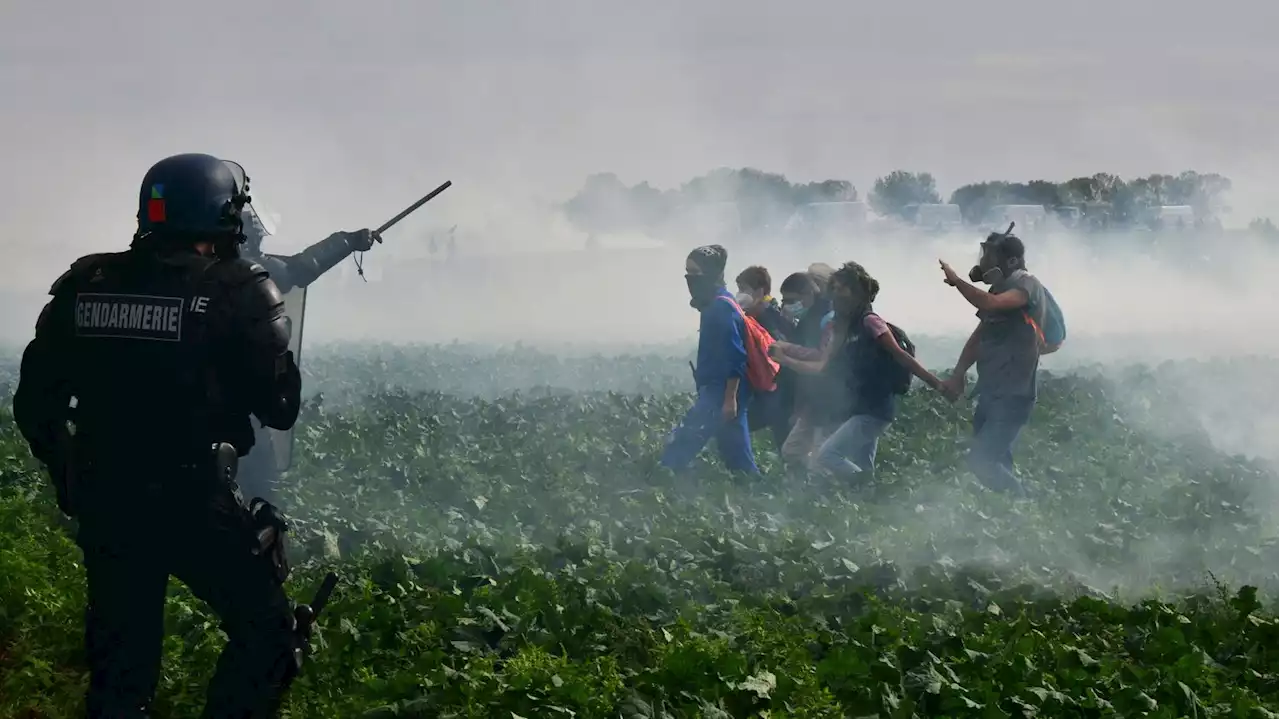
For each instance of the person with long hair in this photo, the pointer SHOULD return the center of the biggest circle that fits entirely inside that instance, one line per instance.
(866, 351)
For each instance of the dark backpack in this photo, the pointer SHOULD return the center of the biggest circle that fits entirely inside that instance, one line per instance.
(888, 371)
(899, 377)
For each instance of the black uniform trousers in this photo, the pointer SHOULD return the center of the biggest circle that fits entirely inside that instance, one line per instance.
(136, 534)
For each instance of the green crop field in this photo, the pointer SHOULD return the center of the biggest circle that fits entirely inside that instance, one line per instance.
(509, 549)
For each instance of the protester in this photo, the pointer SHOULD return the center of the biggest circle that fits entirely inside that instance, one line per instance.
(723, 392)
(755, 288)
(803, 302)
(1006, 347)
(804, 305)
(876, 368)
(821, 273)
(770, 410)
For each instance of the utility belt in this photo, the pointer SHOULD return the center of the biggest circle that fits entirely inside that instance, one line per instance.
(89, 474)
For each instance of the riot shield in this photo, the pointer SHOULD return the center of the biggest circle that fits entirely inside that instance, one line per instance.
(295, 307)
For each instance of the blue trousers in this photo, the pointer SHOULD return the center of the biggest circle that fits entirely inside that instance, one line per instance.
(997, 422)
(851, 449)
(704, 421)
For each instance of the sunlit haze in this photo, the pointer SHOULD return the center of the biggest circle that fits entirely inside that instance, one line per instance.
(344, 113)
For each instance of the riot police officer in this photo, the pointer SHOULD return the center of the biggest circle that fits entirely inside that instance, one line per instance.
(300, 270)
(136, 393)
(258, 473)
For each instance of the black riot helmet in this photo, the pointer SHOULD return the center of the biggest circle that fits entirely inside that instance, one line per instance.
(193, 197)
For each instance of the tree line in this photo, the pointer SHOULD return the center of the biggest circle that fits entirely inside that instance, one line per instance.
(765, 201)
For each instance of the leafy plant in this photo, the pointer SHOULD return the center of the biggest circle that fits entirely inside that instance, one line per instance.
(509, 547)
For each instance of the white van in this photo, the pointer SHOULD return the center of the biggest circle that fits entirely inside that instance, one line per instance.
(940, 217)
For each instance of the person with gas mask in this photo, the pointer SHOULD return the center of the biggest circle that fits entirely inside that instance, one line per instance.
(720, 376)
(1006, 349)
(258, 473)
(136, 393)
(305, 267)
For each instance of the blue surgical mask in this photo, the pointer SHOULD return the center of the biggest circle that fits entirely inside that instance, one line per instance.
(794, 310)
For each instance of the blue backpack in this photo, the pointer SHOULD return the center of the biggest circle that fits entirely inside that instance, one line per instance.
(1054, 330)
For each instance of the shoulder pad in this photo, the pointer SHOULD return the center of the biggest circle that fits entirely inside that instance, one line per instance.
(53, 289)
(270, 262)
(238, 270)
(82, 266)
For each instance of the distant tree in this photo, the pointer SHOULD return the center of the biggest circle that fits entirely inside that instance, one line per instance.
(1102, 187)
(605, 204)
(893, 192)
(1205, 193)
(976, 199)
(765, 200)
(1039, 192)
(825, 191)
(1265, 228)
(1137, 200)
(590, 208)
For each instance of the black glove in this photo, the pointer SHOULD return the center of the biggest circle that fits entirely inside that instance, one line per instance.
(361, 240)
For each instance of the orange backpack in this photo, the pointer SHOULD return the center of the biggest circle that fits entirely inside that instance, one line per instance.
(762, 370)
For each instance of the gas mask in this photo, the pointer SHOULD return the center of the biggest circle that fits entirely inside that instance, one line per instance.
(990, 277)
(996, 273)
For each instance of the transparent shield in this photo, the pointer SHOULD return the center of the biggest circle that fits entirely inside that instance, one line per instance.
(295, 307)
(237, 171)
(270, 220)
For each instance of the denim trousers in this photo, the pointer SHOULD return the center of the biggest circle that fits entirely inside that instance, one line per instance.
(997, 422)
(851, 449)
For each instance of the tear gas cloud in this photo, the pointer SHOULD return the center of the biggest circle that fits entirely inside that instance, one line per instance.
(345, 116)
(345, 113)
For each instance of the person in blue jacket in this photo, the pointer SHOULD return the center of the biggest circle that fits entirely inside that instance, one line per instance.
(720, 409)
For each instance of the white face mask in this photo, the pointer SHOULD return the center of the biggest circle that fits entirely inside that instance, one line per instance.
(745, 301)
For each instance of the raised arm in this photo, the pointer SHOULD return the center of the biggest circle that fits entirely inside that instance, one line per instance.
(300, 270)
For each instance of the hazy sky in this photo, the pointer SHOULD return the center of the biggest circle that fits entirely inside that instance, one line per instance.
(343, 112)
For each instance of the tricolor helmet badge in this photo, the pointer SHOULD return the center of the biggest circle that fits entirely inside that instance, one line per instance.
(155, 205)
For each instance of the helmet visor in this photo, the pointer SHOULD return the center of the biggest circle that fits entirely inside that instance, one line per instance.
(267, 221)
